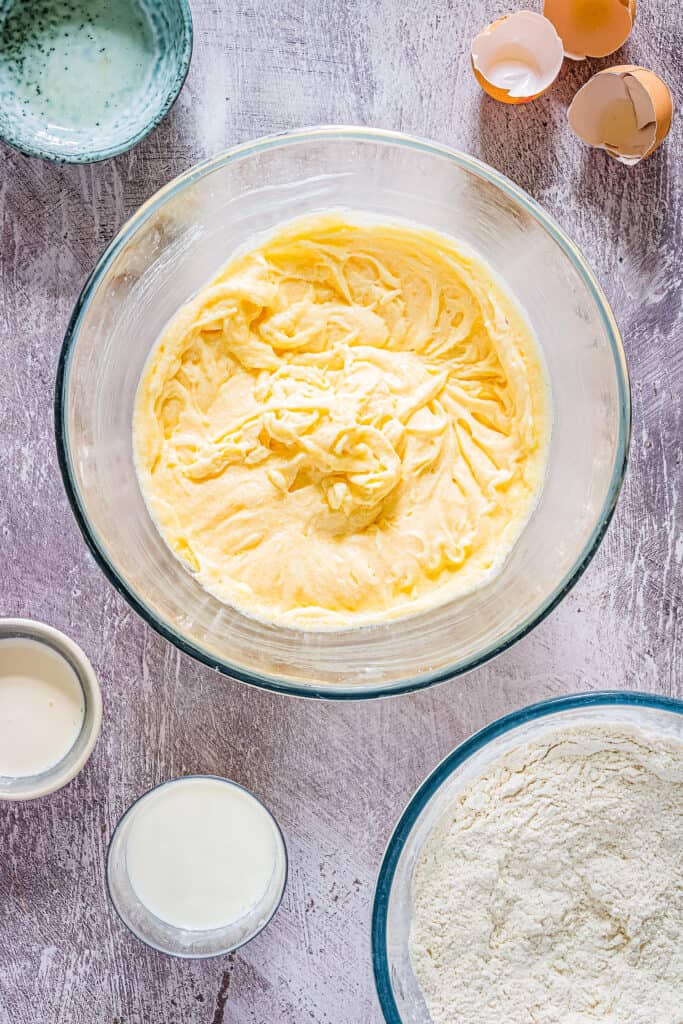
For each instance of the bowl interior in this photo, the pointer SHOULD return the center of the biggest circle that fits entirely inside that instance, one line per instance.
(180, 239)
(134, 55)
(398, 990)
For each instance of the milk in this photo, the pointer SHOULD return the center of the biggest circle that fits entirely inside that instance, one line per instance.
(202, 853)
(41, 707)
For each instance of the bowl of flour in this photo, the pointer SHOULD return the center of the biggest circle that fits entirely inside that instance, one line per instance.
(536, 877)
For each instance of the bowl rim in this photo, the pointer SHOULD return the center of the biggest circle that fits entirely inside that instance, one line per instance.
(478, 168)
(93, 156)
(68, 767)
(181, 955)
(438, 776)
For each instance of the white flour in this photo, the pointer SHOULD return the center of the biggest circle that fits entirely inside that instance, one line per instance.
(552, 890)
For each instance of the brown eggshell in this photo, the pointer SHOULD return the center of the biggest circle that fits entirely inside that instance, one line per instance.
(599, 117)
(517, 57)
(591, 28)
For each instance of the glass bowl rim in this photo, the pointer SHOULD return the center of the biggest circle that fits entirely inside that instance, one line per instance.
(93, 156)
(126, 814)
(479, 169)
(439, 775)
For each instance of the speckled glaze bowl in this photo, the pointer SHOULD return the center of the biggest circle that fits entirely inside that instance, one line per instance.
(177, 242)
(399, 993)
(84, 80)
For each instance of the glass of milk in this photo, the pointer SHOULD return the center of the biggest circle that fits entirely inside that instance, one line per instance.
(50, 709)
(196, 866)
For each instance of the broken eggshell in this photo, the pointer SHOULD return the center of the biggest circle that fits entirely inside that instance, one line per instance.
(591, 28)
(625, 110)
(517, 57)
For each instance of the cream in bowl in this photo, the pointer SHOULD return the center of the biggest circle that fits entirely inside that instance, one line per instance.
(197, 866)
(50, 709)
(349, 424)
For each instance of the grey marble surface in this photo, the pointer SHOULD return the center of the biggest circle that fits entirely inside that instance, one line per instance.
(336, 776)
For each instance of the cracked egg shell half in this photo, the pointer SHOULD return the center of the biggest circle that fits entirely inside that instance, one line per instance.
(591, 28)
(625, 110)
(517, 58)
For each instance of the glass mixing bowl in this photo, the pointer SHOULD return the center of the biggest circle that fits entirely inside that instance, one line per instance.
(179, 239)
(399, 994)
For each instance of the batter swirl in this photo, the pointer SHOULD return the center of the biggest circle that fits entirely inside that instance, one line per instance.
(349, 424)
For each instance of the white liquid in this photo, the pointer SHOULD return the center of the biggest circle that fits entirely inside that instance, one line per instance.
(41, 707)
(202, 854)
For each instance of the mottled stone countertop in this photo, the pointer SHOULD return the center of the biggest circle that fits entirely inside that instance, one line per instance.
(336, 775)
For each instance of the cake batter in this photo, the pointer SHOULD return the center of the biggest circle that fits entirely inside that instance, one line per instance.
(348, 425)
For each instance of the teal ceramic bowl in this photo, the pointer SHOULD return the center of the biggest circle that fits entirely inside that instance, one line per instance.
(84, 80)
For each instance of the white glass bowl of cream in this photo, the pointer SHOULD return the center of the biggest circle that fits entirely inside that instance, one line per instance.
(50, 709)
(399, 993)
(174, 245)
(196, 866)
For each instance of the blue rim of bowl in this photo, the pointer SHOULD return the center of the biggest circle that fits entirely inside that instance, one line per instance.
(481, 170)
(228, 949)
(417, 803)
(96, 156)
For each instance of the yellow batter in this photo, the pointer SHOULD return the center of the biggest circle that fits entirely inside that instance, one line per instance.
(349, 424)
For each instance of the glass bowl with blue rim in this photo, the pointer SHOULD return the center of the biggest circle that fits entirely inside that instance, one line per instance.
(398, 990)
(179, 240)
(84, 80)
